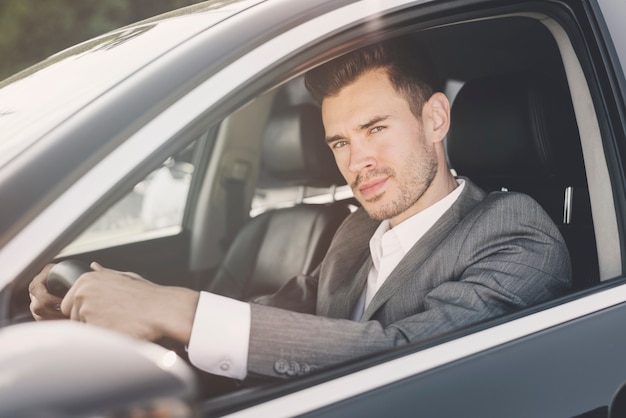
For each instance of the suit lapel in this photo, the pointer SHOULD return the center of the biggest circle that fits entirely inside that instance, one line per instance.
(409, 265)
(344, 271)
(344, 298)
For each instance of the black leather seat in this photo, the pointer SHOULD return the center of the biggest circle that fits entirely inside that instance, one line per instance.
(518, 132)
(281, 243)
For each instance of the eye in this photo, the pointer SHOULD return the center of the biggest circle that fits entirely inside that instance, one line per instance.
(339, 144)
(376, 129)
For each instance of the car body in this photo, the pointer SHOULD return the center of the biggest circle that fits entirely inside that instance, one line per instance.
(181, 99)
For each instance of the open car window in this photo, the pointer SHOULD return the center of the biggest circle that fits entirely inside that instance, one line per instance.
(187, 222)
(518, 44)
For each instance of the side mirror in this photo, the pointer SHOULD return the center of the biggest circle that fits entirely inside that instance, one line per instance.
(67, 369)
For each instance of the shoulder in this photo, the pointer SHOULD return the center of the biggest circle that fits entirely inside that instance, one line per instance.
(509, 213)
(511, 202)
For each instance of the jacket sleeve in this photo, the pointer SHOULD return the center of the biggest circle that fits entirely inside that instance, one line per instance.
(299, 294)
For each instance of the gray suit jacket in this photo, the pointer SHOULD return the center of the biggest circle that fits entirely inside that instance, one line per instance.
(488, 255)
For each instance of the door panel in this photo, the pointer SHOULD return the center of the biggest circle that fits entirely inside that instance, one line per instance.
(572, 370)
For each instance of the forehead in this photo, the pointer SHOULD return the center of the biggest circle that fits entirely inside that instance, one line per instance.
(370, 95)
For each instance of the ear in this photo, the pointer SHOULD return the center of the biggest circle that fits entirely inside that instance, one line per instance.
(436, 117)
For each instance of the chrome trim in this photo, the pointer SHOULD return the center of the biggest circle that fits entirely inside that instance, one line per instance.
(567, 205)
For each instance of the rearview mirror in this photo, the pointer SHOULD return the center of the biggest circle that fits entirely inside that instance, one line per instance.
(66, 369)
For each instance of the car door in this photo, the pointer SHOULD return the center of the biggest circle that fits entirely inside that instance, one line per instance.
(563, 358)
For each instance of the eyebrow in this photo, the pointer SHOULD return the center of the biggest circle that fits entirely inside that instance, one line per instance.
(373, 121)
(366, 125)
(330, 139)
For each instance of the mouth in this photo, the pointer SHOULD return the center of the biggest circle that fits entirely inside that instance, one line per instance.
(372, 188)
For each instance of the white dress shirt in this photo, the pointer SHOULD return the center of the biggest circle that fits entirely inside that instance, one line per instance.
(220, 346)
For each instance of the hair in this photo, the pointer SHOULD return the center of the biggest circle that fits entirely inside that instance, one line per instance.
(407, 64)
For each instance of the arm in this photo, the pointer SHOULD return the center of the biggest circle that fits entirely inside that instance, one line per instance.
(127, 303)
(503, 257)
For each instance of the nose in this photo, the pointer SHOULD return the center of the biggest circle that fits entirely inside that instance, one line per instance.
(361, 157)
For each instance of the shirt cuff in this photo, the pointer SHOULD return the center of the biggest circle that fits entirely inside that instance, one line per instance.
(220, 336)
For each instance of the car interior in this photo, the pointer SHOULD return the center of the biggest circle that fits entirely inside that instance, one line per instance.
(513, 128)
(522, 121)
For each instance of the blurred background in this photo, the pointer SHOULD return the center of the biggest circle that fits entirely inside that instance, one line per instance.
(32, 30)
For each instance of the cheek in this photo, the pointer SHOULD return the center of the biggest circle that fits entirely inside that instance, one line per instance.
(342, 160)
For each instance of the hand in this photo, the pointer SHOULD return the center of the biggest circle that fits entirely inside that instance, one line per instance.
(44, 305)
(127, 303)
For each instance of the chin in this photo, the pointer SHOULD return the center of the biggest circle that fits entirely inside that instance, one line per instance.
(379, 213)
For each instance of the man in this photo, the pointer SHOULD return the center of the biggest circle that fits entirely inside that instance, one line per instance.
(427, 253)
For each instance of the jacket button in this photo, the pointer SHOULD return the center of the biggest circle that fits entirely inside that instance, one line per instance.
(304, 368)
(294, 369)
(281, 366)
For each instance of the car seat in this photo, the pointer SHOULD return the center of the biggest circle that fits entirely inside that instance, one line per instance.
(518, 132)
(279, 244)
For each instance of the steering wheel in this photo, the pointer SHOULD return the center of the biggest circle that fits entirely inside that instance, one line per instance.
(63, 275)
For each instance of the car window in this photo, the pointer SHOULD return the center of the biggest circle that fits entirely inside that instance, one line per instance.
(155, 206)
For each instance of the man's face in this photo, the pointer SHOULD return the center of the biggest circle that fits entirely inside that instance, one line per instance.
(380, 147)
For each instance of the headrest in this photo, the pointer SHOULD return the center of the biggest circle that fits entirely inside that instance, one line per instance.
(515, 126)
(294, 148)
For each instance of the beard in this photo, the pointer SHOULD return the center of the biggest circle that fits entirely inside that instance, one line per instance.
(412, 179)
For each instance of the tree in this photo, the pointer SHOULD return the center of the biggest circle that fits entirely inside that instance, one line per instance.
(31, 30)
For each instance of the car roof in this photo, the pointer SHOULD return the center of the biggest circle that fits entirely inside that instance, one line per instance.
(39, 98)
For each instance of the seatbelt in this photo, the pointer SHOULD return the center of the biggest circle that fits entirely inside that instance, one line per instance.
(234, 184)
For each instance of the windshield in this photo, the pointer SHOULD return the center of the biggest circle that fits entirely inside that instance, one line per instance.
(36, 100)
